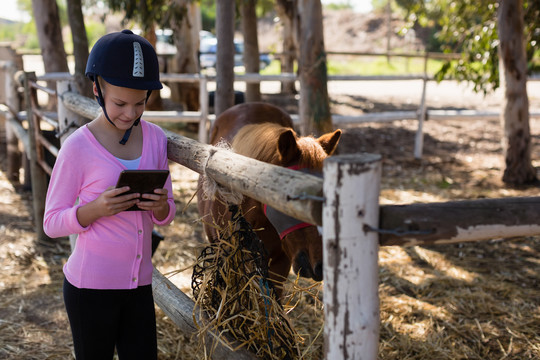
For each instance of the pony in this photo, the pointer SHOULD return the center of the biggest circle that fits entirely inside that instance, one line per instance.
(265, 132)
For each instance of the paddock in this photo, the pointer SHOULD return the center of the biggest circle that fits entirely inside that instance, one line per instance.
(181, 146)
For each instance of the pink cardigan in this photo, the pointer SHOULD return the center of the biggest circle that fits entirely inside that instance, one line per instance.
(113, 252)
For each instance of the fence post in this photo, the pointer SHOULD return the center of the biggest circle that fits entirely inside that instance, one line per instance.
(203, 101)
(419, 139)
(68, 121)
(14, 156)
(351, 300)
(38, 175)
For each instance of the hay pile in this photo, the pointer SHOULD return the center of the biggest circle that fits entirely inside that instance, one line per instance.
(234, 297)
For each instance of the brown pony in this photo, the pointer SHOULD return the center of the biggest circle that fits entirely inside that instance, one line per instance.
(264, 132)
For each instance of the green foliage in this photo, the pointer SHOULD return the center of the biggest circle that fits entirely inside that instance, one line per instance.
(273, 69)
(381, 66)
(10, 32)
(148, 13)
(532, 34)
(94, 30)
(469, 27)
(370, 66)
(208, 14)
(339, 5)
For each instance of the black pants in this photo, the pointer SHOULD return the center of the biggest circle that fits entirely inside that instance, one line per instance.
(103, 319)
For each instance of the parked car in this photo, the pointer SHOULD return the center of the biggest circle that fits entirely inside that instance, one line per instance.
(207, 49)
(208, 54)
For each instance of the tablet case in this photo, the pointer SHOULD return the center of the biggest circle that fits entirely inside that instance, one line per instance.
(142, 182)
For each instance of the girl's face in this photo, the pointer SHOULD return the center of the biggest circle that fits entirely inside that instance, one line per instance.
(123, 105)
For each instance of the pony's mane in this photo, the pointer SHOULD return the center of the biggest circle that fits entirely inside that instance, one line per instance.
(260, 141)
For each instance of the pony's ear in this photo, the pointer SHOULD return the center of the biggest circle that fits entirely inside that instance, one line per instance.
(329, 141)
(288, 148)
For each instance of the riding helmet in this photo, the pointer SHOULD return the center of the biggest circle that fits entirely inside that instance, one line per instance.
(124, 59)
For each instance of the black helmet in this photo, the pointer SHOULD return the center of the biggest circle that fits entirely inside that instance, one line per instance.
(124, 59)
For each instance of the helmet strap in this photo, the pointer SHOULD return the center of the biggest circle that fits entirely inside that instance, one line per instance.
(136, 123)
(101, 101)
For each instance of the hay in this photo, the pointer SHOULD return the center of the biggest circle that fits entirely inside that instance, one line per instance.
(461, 301)
(234, 297)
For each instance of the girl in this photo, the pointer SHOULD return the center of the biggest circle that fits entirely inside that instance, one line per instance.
(107, 287)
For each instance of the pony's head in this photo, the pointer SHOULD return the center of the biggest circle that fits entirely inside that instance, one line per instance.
(281, 146)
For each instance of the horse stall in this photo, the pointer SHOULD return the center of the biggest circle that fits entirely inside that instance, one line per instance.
(345, 200)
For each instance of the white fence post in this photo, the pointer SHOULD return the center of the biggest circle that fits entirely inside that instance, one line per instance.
(203, 101)
(419, 138)
(14, 156)
(351, 300)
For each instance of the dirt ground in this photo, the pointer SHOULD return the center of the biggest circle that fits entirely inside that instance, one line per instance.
(462, 301)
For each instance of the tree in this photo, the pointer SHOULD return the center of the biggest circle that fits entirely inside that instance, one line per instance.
(473, 29)
(251, 46)
(315, 116)
(80, 46)
(287, 11)
(178, 15)
(515, 107)
(224, 98)
(186, 27)
(49, 32)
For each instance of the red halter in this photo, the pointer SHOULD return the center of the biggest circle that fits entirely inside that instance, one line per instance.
(284, 224)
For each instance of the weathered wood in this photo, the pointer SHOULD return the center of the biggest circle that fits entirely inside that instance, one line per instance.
(20, 132)
(351, 301)
(204, 117)
(39, 176)
(179, 308)
(81, 105)
(458, 221)
(69, 120)
(13, 127)
(270, 184)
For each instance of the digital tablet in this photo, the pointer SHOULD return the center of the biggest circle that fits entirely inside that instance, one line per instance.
(142, 182)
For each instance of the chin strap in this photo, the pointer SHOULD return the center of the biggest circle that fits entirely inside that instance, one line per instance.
(101, 102)
(125, 138)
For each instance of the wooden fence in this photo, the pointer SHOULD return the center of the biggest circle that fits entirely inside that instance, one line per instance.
(354, 223)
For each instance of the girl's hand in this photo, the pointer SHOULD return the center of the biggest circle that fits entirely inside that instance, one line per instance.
(156, 202)
(110, 202)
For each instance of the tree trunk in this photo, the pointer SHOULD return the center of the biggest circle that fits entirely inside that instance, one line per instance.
(185, 61)
(225, 55)
(154, 101)
(251, 47)
(515, 106)
(50, 38)
(80, 46)
(287, 13)
(315, 117)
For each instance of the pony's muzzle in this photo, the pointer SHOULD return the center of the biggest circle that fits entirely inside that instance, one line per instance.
(303, 267)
